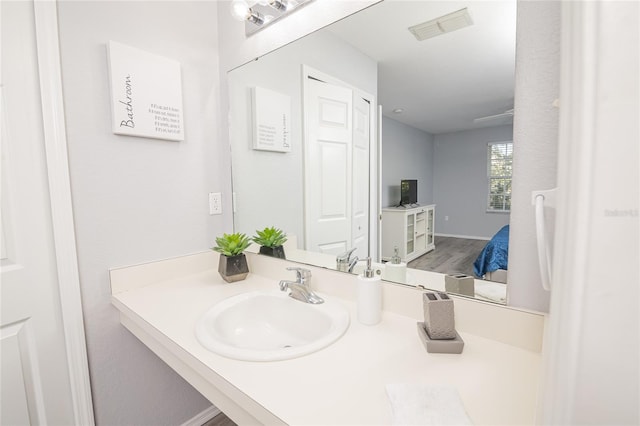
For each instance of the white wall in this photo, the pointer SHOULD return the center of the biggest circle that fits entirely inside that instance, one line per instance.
(238, 49)
(137, 199)
(535, 138)
(407, 153)
(592, 344)
(460, 182)
(269, 185)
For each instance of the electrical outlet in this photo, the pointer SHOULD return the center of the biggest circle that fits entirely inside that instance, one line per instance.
(446, 218)
(215, 203)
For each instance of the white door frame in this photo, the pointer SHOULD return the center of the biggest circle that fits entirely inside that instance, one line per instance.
(374, 208)
(584, 119)
(55, 139)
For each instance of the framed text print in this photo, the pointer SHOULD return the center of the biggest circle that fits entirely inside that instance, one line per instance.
(271, 120)
(146, 94)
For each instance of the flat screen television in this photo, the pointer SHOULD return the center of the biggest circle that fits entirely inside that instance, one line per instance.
(408, 191)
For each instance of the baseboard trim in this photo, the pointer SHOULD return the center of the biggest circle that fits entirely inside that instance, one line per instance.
(468, 237)
(203, 417)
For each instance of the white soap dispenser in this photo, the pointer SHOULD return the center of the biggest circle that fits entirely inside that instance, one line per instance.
(369, 296)
(396, 270)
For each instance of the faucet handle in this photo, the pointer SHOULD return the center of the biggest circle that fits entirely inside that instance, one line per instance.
(302, 274)
(344, 257)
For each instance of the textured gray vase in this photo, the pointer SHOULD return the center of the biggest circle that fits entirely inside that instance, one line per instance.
(277, 251)
(233, 268)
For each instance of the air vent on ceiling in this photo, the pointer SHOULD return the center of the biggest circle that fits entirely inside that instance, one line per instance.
(444, 24)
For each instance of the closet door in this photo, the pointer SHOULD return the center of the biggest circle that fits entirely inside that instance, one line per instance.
(360, 197)
(328, 167)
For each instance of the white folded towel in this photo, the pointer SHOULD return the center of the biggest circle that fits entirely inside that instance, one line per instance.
(495, 292)
(426, 405)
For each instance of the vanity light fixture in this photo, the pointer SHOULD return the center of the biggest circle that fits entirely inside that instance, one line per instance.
(241, 11)
(257, 14)
(279, 5)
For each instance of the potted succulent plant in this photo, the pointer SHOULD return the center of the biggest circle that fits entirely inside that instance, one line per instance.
(233, 262)
(271, 241)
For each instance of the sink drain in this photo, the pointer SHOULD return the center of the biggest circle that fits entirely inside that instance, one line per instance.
(286, 346)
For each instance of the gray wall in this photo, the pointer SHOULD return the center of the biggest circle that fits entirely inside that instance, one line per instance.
(451, 170)
(407, 153)
(535, 142)
(535, 137)
(460, 182)
(276, 198)
(136, 199)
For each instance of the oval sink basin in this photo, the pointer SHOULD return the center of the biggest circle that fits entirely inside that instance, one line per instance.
(270, 326)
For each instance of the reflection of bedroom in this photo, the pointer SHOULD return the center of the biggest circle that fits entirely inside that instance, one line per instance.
(451, 170)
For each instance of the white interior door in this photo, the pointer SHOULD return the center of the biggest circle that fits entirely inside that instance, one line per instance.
(34, 375)
(328, 167)
(361, 190)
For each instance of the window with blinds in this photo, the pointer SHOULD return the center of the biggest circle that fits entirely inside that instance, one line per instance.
(499, 171)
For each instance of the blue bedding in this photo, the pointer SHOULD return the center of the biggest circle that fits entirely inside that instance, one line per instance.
(494, 255)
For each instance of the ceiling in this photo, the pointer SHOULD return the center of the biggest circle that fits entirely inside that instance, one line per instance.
(443, 83)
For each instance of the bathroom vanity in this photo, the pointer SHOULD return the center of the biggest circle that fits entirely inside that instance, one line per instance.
(496, 375)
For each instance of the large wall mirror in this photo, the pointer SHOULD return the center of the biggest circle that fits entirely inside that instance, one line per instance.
(312, 153)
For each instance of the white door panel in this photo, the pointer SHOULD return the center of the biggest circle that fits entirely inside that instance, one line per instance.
(328, 167)
(360, 197)
(332, 169)
(337, 158)
(333, 113)
(22, 402)
(34, 374)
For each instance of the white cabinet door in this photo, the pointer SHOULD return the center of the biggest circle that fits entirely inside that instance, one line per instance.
(411, 230)
(410, 245)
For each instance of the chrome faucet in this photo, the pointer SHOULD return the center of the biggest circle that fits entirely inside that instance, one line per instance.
(344, 261)
(300, 287)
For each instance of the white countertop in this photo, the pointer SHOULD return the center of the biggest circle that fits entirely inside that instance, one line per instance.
(341, 384)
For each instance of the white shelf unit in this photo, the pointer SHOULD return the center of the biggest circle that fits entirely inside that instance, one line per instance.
(409, 229)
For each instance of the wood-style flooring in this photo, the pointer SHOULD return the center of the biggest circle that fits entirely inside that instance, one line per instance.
(220, 420)
(452, 255)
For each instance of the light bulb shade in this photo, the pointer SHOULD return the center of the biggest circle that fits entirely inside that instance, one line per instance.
(240, 10)
(256, 18)
(278, 4)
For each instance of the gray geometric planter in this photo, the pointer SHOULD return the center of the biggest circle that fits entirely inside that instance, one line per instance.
(277, 251)
(233, 268)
